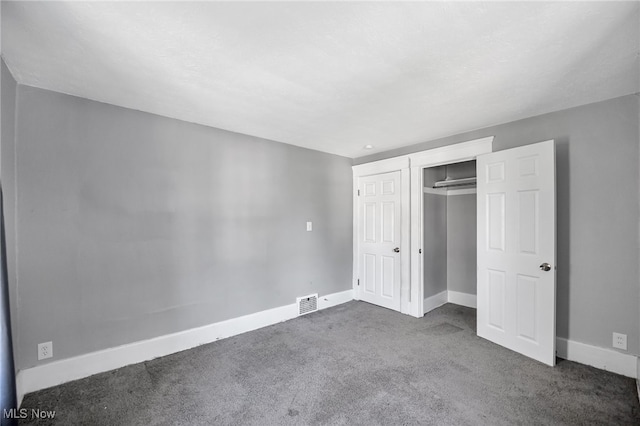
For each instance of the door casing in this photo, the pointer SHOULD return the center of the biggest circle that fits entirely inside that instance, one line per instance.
(411, 247)
(457, 153)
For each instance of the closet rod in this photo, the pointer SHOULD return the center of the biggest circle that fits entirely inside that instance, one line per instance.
(455, 182)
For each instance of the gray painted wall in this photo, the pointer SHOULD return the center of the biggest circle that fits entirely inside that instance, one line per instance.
(431, 175)
(461, 243)
(7, 176)
(461, 170)
(449, 233)
(598, 207)
(132, 225)
(435, 246)
(461, 233)
(435, 235)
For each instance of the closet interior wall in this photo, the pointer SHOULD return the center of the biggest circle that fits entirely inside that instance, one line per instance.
(449, 252)
(435, 233)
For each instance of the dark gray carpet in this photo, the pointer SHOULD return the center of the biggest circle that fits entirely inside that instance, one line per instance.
(351, 364)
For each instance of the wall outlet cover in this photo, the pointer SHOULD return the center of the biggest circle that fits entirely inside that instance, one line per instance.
(45, 350)
(620, 341)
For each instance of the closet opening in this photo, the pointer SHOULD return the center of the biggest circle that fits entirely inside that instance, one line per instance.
(449, 235)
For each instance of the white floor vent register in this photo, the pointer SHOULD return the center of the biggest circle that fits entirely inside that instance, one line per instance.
(307, 304)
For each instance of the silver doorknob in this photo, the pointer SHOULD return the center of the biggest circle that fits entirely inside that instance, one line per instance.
(545, 267)
(397, 249)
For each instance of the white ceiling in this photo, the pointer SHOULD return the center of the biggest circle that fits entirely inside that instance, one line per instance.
(329, 76)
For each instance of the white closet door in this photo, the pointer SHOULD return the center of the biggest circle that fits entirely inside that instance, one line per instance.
(517, 249)
(379, 234)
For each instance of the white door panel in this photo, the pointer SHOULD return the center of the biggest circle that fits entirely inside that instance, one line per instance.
(516, 236)
(379, 236)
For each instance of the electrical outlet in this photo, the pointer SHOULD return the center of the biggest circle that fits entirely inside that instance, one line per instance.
(620, 341)
(45, 350)
(309, 226)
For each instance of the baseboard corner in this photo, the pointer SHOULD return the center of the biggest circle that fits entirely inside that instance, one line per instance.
(463, 299)
(435, 301)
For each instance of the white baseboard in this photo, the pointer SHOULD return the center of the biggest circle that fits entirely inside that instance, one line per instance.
(435, 301)
(19, 391)
(602, 358)
(455, 297)
(66, 370)
(464, 299)
(334, 299)
(638, 378)
(55, 373)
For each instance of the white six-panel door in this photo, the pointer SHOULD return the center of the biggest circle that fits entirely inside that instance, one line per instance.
(379, 233)
(517, 249)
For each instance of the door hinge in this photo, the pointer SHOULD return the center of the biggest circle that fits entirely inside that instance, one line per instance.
(419, 251)
(358, 281)
(358, 192)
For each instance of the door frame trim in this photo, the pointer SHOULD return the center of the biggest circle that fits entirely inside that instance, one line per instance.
(419, 161)
(410, 167)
